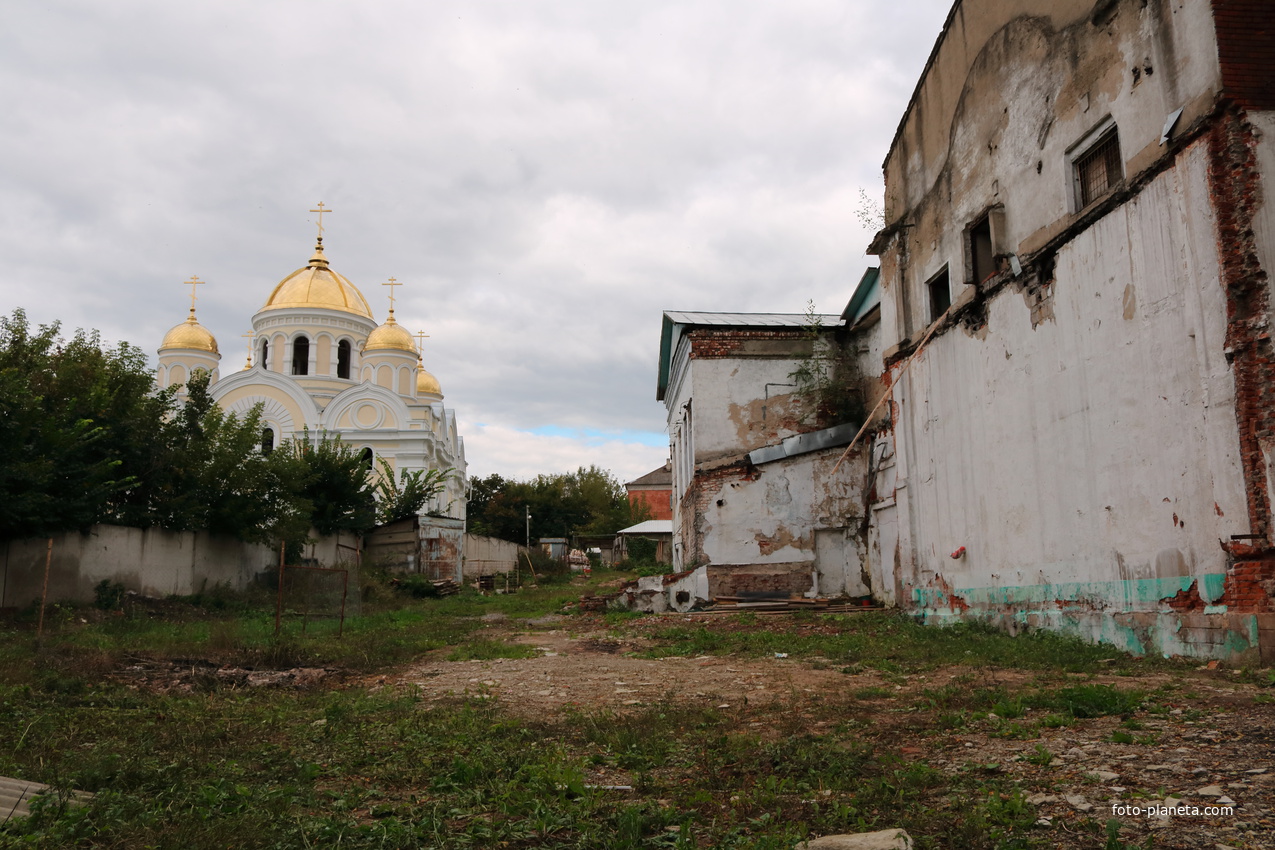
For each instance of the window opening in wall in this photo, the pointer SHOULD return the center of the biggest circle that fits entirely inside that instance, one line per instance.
(1097, 168)
(343, 359)
(265, 354)
(982, 261)
(267, 440)
(366, 456)
(301, 356)
(940, 294)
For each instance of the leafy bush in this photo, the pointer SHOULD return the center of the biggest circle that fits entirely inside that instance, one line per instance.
(641, 550)
(108, 595)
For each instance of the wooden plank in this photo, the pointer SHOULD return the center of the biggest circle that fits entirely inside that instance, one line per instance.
(16, 794)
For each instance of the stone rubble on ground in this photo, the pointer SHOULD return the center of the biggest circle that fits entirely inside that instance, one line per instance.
(885, 839)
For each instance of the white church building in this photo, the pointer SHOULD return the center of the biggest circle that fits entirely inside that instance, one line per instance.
(321, 362)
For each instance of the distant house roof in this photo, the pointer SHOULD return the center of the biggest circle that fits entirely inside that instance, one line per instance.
(651, 526)
(661, 477)
(675, 323)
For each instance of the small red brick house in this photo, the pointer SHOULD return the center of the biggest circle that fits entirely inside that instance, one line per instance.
(655, 490)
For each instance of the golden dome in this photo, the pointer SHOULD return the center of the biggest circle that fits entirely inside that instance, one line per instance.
(390, 336)
(190, 335)
(426, 384)
(317, 285)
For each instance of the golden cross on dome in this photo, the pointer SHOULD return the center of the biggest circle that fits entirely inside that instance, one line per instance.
(391, 284)
(249, 336)
(193, 282)
(421, 336)
(320, 211)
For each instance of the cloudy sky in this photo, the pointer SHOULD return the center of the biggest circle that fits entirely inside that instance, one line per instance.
(544, 176)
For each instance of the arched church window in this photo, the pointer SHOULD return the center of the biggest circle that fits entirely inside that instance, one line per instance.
(301, 356)
(265, 354)
(343, 359)
(366, 456)
(267, 440)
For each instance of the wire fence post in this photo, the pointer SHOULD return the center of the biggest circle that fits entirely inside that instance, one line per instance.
(278, 605)
(44, 594)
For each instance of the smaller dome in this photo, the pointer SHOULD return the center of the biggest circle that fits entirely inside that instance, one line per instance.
(190, 335)
(426, 383)
(390, 336)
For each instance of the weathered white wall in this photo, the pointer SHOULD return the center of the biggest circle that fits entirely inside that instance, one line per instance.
(743, 404)
(1014, 87)
(1090, 461)
(152, 562)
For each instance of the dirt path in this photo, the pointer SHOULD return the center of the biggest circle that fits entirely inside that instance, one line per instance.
(1216, 749)
(590, 670)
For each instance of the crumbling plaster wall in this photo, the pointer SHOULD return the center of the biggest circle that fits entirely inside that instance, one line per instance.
(1009, 92)
(1089, 465)
(790, 526)
(742, 385)
(1073, 433)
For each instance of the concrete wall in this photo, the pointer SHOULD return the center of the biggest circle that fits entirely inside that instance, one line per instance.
(152, 562)
(487, 555)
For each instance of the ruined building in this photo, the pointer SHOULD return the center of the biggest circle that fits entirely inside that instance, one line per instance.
(755, 504)
(1076, 207)
(1074, 326)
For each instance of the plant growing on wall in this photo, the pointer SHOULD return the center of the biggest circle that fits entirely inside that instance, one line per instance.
(828, 381)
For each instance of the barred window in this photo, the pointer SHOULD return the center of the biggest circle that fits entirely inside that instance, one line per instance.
(1097, 168)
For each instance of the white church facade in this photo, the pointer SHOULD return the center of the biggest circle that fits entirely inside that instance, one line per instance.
(320, 362)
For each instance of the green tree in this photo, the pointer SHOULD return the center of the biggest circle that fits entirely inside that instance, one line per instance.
(587, 501)
(333, 481)
(406, 497)
(76, 424)
(219, 480)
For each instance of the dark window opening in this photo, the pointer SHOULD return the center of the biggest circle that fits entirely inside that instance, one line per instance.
(343, 359)
(982, 261)
(940, 295)
(366, 456)
(1098, 168)
(267, 440)
(301, 356)
(265, 354)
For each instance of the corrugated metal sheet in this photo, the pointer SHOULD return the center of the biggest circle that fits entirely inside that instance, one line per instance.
(651, 526)
(745, 320)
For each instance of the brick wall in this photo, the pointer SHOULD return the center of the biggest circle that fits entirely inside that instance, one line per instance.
(1246, 48)
(656, 501)
(1236, 186)
(714, 344)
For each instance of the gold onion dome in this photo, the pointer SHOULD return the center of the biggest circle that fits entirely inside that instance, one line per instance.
(316, 285)
(390, 336)
(426, 383)
(190, 335)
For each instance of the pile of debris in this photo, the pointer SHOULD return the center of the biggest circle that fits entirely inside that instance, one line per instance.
(445, 586)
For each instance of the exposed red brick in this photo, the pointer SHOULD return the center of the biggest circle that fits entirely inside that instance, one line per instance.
(1235, 184)
(1246, 45)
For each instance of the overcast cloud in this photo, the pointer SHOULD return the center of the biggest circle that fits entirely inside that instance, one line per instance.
(544, 177)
